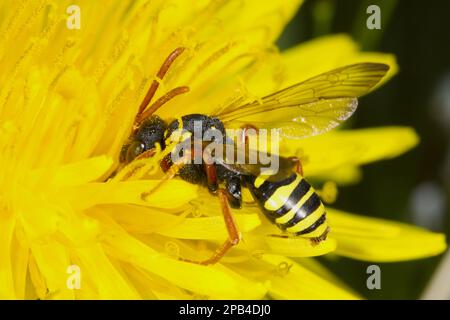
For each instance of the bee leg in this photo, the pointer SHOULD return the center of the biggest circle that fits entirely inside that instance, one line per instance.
(233, 184)
(299, 167)
(146, 154)
(211, 173)
(234, 192)
(234, 235)
(317, 240)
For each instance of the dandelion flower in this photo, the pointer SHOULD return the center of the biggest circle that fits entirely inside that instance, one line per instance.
(68, 98)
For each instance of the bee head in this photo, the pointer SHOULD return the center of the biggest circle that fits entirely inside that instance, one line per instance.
(150, 132)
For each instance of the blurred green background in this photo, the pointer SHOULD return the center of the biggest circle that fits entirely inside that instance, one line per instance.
(415, 187)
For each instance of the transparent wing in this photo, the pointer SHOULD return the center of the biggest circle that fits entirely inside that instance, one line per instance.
(311, 107)
(312, 119)
(247, 162)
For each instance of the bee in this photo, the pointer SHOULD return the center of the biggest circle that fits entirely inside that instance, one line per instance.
(305, 109)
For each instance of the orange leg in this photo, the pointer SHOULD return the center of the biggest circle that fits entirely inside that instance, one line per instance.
(146, 154)
(234, 235)
(244, 136)
(299, 167)
(211, 174)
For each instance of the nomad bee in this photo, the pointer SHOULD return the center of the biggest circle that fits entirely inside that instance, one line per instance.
(309, 108)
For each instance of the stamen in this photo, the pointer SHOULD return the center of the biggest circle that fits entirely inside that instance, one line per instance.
(283, 269)
(214, 57)
(173, 170)
(172, 249)
(258, 254)
(129, 172)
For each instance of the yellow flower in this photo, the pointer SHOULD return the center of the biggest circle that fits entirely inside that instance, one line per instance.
(67, 102)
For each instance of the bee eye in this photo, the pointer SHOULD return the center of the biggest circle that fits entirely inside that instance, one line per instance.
(134, 149)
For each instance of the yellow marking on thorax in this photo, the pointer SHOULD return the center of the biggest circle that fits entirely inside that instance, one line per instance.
(281, 195)
(308, 221)
(178, 136)
(260, 180)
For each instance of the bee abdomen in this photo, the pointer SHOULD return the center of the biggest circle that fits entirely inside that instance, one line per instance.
(292, 204)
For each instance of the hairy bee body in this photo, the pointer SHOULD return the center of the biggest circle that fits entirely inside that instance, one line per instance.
(292, 204)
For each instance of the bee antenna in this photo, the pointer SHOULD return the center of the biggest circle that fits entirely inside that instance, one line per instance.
(161, 101)
(160, 75)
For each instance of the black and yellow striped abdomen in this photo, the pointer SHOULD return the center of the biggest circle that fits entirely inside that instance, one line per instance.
(292, 204)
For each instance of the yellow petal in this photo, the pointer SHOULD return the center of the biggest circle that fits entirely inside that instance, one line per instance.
(153, 287)
(379, 240)
(130, 192)
(344, 148)
(139, 219)
(310, 59)
(193, 277)
(149, 220)
(52, 261)
(344, 175)
(315, 266)
(212, 62)
(19, 262)
(212, 228)
(75, 173)
(299, 247)
(7, 290)
(300, 283)
(81, 172)
(110, 283)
